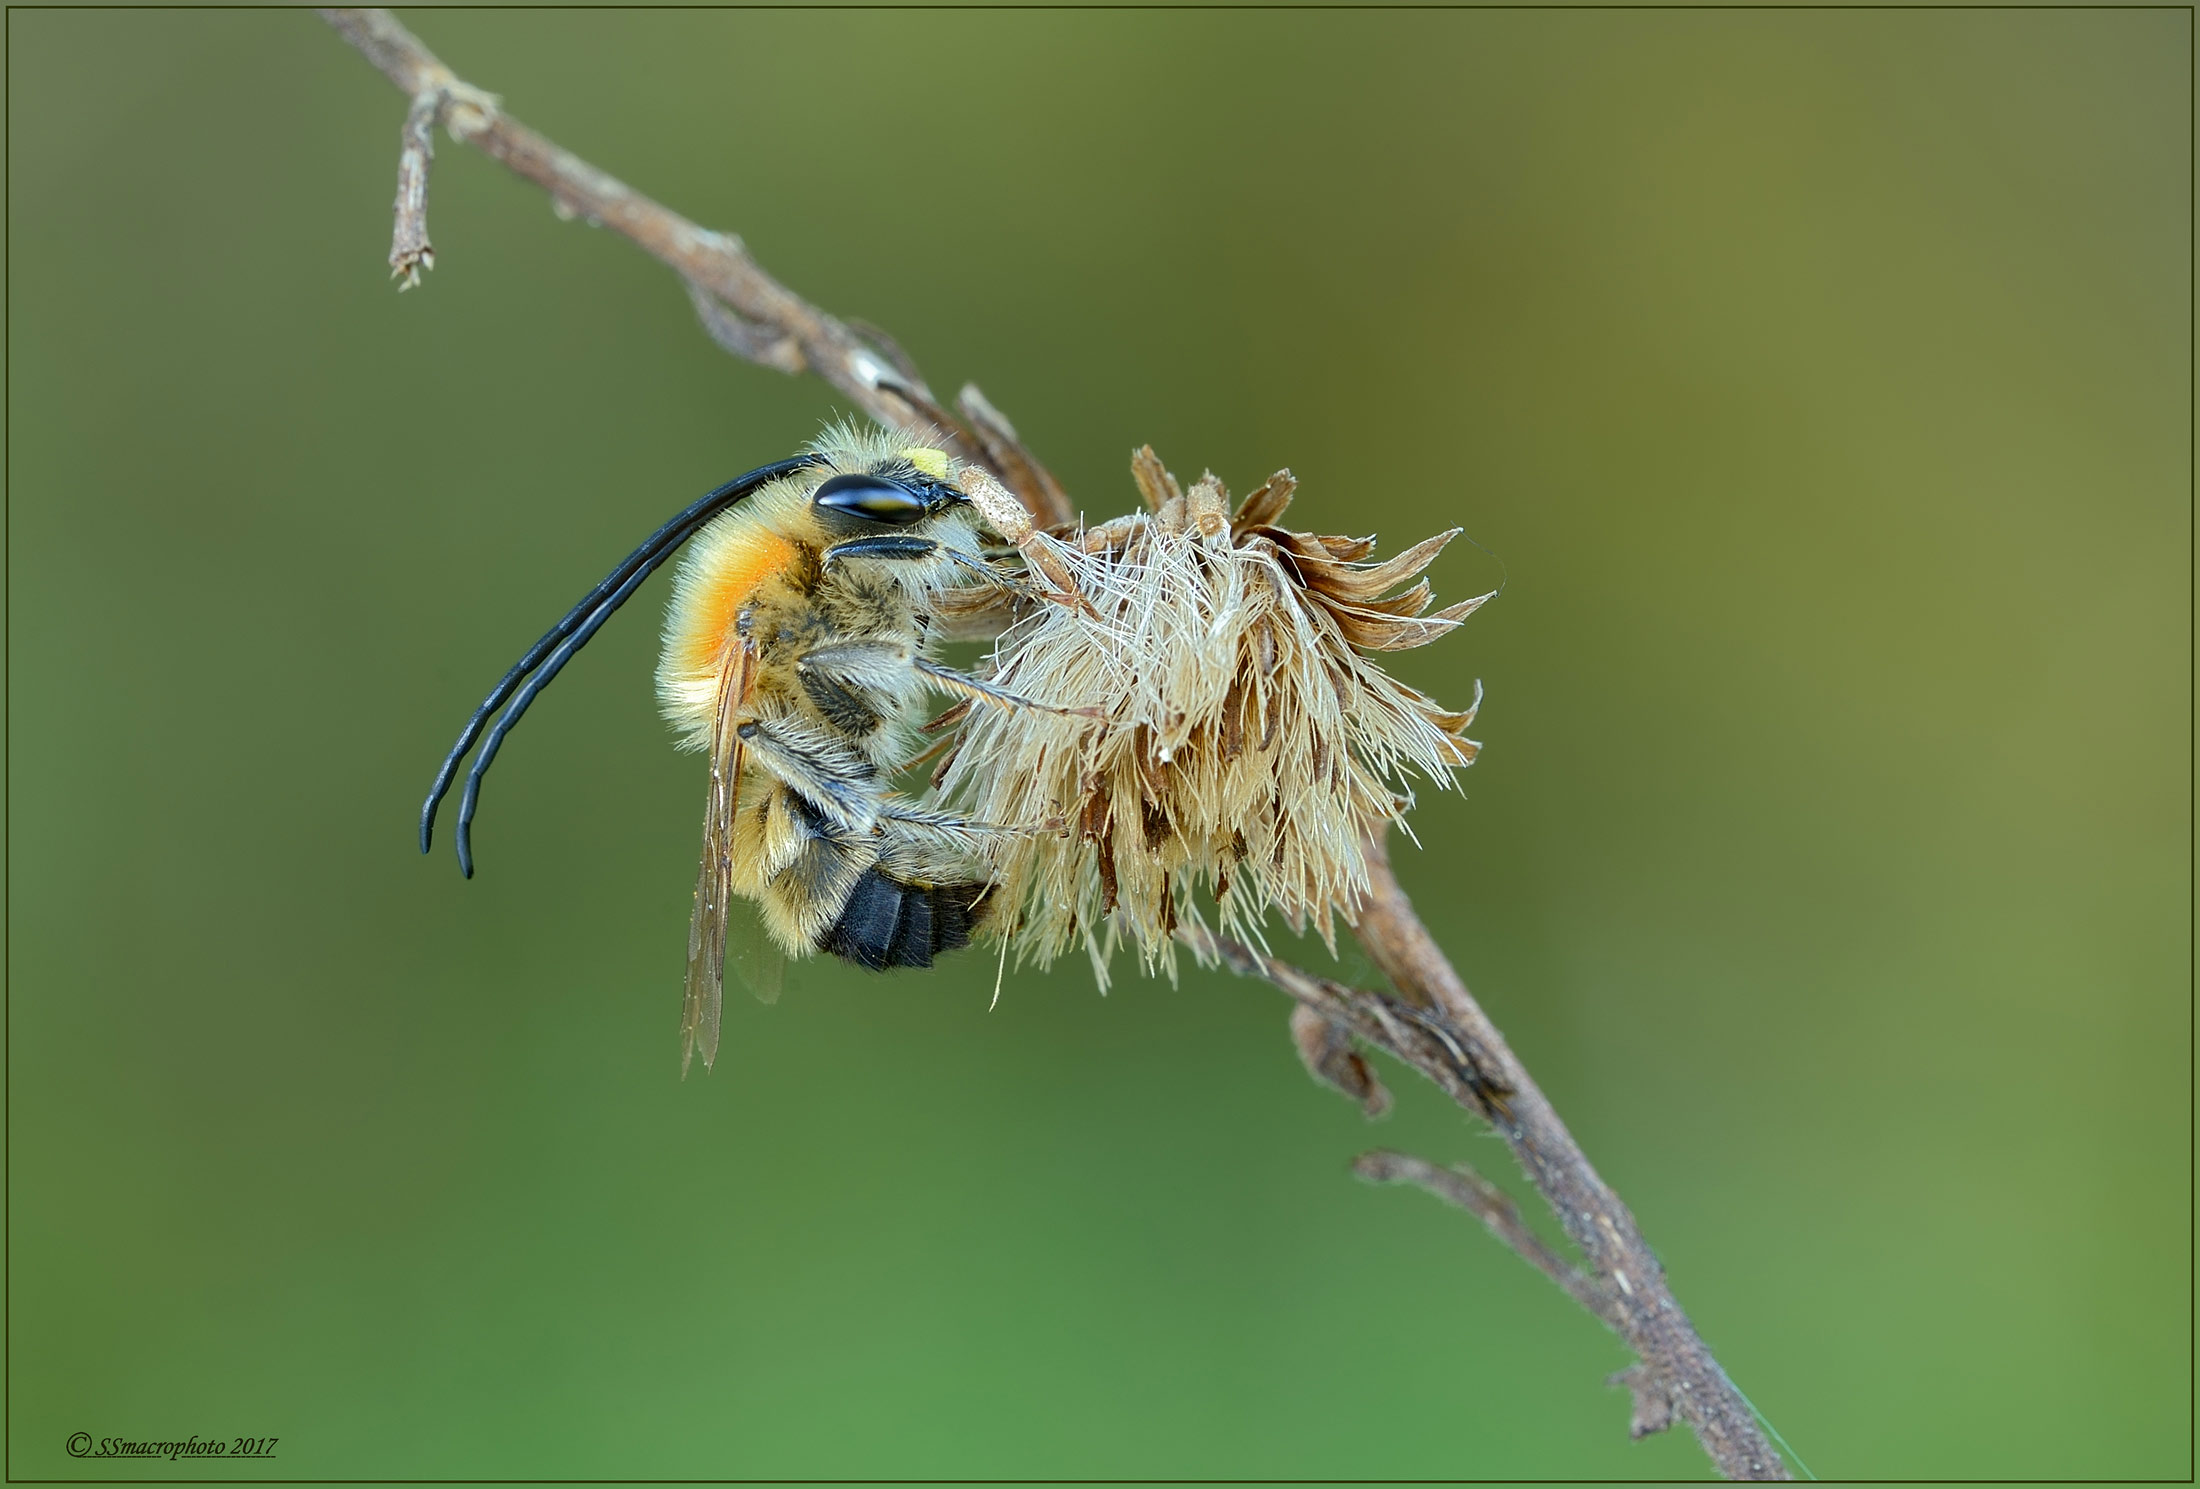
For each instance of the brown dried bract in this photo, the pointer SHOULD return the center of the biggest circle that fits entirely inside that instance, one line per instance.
(1246, 743)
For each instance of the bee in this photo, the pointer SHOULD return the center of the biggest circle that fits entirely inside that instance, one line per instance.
(796, 651)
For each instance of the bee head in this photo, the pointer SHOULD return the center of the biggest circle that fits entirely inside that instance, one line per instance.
(883, 499)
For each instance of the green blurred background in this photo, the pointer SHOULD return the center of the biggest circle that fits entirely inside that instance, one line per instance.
(1823, 381)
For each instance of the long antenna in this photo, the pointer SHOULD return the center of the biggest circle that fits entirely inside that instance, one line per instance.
(569, 635)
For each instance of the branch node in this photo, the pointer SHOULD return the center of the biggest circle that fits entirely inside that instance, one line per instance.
(1458, 1064)
(746, 339)
(883, 342)
(1462, 1186)
(1325, 1048)
(467, 110)
(1653, 1404)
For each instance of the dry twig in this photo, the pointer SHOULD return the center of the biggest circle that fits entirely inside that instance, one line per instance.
(1435, 1026)
(410, 251)
(785, 331)
(1438, 1028)
(1462, 1186)
(1645, 1313)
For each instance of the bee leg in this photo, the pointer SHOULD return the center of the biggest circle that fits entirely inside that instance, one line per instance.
(863, 673)
(960, 834)
(903, 546)
(828, 776)
(883, 545)
(887, 915)
(873, 668)
(846, 703)
(978, 687)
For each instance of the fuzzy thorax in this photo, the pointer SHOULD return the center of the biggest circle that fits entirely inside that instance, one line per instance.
(724, 568)
(763, 560)
(1249, 740)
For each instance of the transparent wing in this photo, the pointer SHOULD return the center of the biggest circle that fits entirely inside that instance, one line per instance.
(706, 969)
(756, 957)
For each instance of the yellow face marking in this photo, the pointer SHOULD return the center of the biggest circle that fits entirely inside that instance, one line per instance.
(930, 461)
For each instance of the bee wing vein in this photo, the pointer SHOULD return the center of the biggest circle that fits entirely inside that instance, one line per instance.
(706, 970)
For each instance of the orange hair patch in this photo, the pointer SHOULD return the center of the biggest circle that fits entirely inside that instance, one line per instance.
(729, 573)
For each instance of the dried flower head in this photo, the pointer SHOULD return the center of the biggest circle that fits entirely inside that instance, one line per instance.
(1247, 744)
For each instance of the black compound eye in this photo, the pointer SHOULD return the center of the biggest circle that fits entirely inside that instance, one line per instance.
(873, 498)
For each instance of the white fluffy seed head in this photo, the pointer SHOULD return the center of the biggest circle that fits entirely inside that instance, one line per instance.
(1248, 743)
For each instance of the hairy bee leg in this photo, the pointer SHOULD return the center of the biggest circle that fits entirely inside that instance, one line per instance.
(871, 670)
(883, 545)
(1023, 589)
(975, 687)
(900, 546)
(960, 834)
(826, 775)
(901, 910)
(875, 667)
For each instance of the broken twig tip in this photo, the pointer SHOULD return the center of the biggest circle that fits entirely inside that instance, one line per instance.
(1653, 1404)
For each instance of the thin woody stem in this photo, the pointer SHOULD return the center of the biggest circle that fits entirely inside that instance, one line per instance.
(1462, 1186)
(410, 251)
(1644, 1312)
(793, 334)
(1435, 1026)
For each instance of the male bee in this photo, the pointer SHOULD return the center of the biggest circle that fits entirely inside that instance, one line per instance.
(795, 652)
